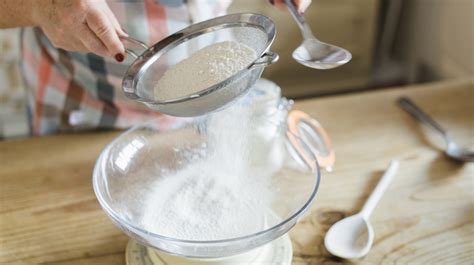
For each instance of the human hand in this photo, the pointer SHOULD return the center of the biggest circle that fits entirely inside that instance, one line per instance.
(81, 25)
(302, 5)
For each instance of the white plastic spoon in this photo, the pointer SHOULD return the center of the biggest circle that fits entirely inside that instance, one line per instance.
(352, 237)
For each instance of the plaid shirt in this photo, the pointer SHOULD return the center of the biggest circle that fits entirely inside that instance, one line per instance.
(69, 91)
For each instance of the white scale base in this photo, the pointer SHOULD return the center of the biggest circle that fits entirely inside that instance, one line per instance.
(277, 252)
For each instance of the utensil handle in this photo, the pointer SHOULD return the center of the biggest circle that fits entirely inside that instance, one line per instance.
(300, 20)
(127, 40)
(298, 118)
(265, 60)
(410, 107)
(380, 189)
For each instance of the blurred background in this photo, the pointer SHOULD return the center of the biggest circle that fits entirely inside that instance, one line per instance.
(393, 42)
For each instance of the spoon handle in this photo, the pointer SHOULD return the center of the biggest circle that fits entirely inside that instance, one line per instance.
(380, 189)
(304, 27)
(410, 107)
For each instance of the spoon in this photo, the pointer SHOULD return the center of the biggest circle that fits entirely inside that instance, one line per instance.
(452, 149)
(312, 52)
(352, 237)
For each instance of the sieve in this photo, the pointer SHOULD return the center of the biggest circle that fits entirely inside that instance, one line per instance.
(150, 63)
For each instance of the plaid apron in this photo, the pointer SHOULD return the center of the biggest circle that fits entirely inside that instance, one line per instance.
(69, 91)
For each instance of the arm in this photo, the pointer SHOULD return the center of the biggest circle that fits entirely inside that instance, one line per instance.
(73, 25)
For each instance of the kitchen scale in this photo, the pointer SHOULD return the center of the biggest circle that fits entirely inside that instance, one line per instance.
(277, 252)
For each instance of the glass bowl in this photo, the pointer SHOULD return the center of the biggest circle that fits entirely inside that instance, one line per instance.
(129, 166)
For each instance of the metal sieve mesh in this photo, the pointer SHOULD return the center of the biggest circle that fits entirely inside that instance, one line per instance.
(255, 31)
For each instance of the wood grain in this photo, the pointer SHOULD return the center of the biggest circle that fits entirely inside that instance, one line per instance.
(49, 214)
(426, 215)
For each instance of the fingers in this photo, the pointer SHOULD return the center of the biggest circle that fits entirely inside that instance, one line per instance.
(104, 30)
(302, 5)
(114, 21)
(92, 43)
(280, 4)
(84, 26)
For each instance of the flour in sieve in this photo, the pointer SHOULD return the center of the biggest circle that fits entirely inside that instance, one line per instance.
(205, 68)
(216, 197)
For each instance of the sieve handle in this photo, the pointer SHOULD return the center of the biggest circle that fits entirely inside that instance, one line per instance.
(306, 150)
(265, 60)
(136, 43)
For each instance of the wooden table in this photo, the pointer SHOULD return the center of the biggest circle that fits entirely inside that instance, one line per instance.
(49, 214)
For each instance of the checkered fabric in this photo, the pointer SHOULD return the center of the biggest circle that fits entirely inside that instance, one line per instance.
(69, 91)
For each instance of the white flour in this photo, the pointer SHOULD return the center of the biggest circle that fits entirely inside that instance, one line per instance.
(206, 67)
(216, 197)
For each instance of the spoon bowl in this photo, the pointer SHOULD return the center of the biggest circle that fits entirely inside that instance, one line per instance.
(350, 238)
(457, 153)
(312, 52)
(453, 150)
(319, 55)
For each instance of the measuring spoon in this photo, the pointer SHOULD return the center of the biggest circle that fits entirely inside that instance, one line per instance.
(352, 237)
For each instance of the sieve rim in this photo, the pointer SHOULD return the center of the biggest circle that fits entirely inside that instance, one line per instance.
(140, 65)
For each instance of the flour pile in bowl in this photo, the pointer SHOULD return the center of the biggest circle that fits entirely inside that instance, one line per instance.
(203, 69)
(217, 196)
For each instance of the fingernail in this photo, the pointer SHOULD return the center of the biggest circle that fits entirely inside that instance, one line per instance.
(119, 57)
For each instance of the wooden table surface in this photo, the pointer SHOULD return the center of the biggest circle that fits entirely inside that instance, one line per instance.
(49, 214)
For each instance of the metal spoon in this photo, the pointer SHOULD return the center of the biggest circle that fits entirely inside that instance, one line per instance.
(452, 149)
(312, 52)
(352, 237)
